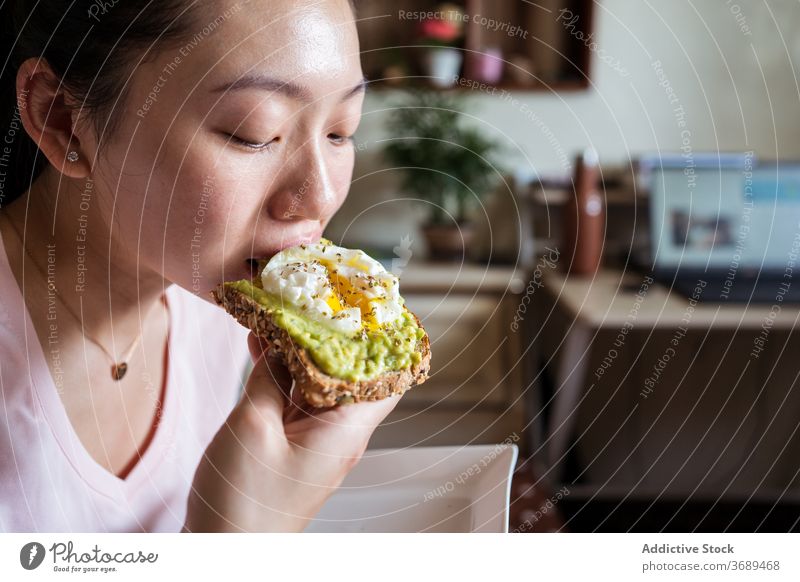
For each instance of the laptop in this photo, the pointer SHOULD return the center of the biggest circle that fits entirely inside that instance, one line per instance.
(726, 229)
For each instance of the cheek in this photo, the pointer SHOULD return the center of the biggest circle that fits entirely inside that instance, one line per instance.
(178, 205)
(194, 213)
(135, 180)
(208, 220)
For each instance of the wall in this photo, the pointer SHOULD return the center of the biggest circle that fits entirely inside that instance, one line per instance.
(726, 81)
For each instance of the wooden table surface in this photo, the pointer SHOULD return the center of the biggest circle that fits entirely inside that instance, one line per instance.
(430, 277)
(609, 300)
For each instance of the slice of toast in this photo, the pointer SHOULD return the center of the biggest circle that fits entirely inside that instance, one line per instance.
(319, 389)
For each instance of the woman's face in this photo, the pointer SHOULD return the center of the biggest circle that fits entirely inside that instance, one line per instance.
(235, 143)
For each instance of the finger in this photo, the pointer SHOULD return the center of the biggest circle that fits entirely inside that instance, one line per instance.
(261, 348)
(298, 401)
(269, 383)
(350, 426)
(295, 403)
(365, 415)
(356, 419)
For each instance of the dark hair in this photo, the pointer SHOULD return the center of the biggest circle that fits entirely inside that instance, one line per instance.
(92, 46)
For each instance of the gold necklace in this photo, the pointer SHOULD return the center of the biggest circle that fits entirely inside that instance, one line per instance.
(118, 367)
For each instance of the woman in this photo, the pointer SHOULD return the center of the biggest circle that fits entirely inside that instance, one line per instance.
(150, 151)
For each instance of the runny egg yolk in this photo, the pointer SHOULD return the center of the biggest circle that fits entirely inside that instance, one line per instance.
(344, 294)
(334, 303)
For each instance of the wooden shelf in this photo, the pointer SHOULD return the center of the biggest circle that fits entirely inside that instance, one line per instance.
(557, 86)
(548, 43)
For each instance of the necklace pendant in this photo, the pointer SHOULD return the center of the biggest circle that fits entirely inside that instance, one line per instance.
(118, 370)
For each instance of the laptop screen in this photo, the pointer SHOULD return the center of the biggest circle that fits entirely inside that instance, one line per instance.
(725, 218)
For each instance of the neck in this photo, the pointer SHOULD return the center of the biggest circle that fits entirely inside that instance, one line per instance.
(71, 245)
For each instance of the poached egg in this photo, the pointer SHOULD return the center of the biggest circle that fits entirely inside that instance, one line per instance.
(344, 290)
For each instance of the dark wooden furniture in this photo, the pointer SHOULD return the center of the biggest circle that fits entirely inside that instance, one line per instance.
(553, 36)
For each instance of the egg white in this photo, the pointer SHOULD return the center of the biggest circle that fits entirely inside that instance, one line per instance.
(345, 290)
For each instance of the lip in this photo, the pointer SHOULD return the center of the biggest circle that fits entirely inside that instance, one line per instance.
(267, 254)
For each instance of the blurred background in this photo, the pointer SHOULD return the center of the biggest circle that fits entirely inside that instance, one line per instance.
(594, 205)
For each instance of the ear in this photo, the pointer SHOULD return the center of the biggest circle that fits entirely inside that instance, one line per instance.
(44, 108)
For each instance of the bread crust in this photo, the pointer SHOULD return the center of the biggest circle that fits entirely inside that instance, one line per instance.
(319, 389)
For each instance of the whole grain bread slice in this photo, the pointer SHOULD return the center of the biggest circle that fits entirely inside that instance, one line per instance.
(319, 389)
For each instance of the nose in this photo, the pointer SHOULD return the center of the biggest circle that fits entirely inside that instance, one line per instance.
(306, 190)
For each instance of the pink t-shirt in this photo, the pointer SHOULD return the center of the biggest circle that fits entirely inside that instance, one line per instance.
(48, 480)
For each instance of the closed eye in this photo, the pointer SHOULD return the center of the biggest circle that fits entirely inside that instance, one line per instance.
(251, 145)
(340, 139)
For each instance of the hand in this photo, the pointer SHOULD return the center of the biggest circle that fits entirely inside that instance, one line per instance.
(276, 460)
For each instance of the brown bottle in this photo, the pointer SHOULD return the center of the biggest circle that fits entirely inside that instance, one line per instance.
(584, 219)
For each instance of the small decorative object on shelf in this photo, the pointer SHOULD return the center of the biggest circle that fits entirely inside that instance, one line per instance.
(521, 70)
(440, 35)
(443, 65)
(487, 66)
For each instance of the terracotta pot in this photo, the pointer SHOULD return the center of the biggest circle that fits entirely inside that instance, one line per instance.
(449, 242)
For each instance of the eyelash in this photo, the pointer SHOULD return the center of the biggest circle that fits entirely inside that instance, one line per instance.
(251, 145)
(340, 139)
(335, 138)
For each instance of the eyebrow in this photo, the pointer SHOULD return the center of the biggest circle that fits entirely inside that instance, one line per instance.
(287, 88)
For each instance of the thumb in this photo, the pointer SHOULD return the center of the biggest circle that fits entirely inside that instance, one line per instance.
(269, 383)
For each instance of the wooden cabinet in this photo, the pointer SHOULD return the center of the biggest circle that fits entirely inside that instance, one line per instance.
(474, 392)
(472, 351)
(675, 405)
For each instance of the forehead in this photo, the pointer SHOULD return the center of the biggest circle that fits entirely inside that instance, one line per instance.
(306, 42)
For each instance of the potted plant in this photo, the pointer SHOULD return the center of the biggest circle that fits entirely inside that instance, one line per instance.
(440, 35)
(445, 162)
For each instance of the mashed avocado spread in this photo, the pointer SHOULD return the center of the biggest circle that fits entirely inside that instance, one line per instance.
(352, 358)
